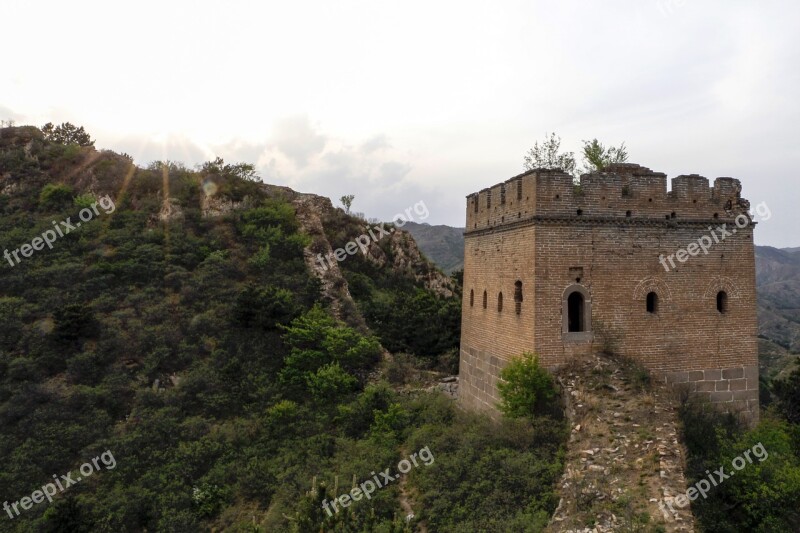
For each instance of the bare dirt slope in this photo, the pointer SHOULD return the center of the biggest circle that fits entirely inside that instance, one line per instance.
(624, 461)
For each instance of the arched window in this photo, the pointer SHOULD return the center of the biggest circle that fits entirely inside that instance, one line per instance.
(518, 295)
(484, 299)
(722, 302)
(576, 313)
(652, 302)
(471, 297)
(500, 303)
(575, 305)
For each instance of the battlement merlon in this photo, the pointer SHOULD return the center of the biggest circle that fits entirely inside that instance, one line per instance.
(624, 190)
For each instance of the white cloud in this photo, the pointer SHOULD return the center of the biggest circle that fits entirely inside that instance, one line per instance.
(377, 142)
(395, 102)
(297, 139)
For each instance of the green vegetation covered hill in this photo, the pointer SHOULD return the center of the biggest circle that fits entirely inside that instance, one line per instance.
(183, 330)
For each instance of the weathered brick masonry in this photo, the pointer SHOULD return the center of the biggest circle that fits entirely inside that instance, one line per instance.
(562, 270)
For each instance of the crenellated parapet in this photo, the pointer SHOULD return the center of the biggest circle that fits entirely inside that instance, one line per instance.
(625, 192)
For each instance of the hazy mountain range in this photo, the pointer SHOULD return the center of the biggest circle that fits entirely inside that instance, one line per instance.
(444, 245)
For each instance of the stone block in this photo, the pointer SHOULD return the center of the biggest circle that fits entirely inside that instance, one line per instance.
(712, 375)
(733, 373)
(745, 395)
(720, 396)
(723, 385)
(751, 372)
(678, 377)
(706, 386)
(737, 406)
(738, 384)
(696, 375)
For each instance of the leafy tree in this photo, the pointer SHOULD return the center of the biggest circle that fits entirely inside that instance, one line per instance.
(458, 277)
(55, 196)
(762, 496)
(330, 382)
(546, 155)
(316, 340)
(788, 393)
(357, 416)
(67, 133)
(347, 201)
(415, 321)
(596, 156)
(264, 307)
(244, 171)
(525, 387)
(66, 514)
(208, 499)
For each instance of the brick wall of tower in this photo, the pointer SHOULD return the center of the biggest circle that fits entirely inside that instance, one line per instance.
(609, 233)
(490, 337)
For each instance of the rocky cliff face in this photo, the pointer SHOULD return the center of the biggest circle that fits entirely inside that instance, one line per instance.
(403, 255)
(407, 257)
(310, 209)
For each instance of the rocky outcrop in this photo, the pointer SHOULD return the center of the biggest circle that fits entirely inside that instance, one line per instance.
(447, 386)
(217, 206)
(624, 464)
(397, 251)
(170, 210)
(407, 257)
(308, 209)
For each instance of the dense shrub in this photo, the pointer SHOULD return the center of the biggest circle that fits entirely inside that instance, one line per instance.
(526, 388)
(55, 196)
(762, 496)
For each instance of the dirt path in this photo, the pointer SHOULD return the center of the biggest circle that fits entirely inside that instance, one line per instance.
(405, 502)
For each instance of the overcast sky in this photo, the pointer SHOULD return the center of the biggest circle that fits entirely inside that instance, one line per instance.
(401, 102)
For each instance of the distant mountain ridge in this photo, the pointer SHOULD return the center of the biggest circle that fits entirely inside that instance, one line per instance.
(444, 245)
(778, 286)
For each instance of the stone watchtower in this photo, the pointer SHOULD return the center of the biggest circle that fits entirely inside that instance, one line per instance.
(561, 270)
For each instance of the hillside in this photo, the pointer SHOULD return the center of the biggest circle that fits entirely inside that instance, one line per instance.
(178, 324)
(778, 285)
(444, 245)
